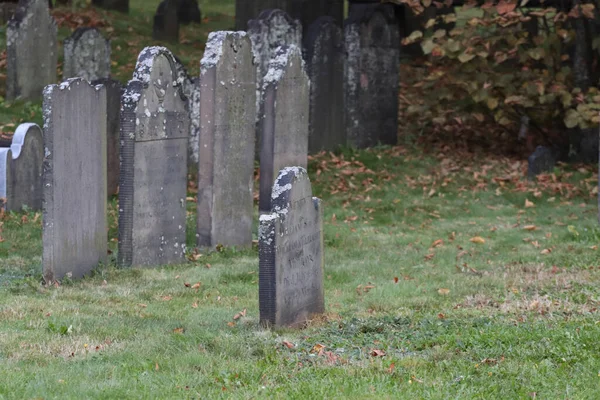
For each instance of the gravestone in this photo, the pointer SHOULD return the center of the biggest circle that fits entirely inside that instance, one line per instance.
(191, 90)
(284, 122)
(21, 173)
(87, 55)
(290, 249)
(114, 89)
(31, 53)
(227, 135)
(166, 21)
(155, 125)
(7, 10)
(272, 29)
(324, 53)
(372, 76)
(117, 5)
(74, 229)
(541, 160)
(189, 12)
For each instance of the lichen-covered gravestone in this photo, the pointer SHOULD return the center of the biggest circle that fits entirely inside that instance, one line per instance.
(87, 55)
(166, 21)
(324, 50)
(114, 89)
(31, 54)
(74, 179)
(155, 125)
(191, 89)
(21, 173)
(284, 123)
(272, 29)
(372, 76)
(227, 134)
(290, 248)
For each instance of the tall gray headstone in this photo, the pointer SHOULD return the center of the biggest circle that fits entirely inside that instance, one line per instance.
(155, 125)
(290, 248)
(31, 53)
(74, 179)
(21, 173)
(227, 135)
(87, 55)
(325, 55)
(284, 120)
(114, 89)
(271, 30)
(372, 76)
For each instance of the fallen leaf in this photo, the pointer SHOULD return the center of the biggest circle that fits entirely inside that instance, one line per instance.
(437, 243)
(530, 227)
(443, 291)
(231, 323)
(546, 251)
(195, 305)
(239, 315)
(156, 367)
(178, 330)
(196, 285)
(395, 279)
(377, 353)
(318, 348)
(167, 298)
(529, 204)
(478, 240)
(289, 345)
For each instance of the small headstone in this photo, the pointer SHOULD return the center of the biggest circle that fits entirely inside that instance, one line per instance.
(114, 89)
(117, 5)
(271, 30)
(324, 51)
(284, 122)
(227, 135)
(74, 179)
(155, 124)
(31, 53)
(372, 76)
(290, 248)
(166, 21)
(87, 55)
(540, 161)
(21, 173)
(189, 12)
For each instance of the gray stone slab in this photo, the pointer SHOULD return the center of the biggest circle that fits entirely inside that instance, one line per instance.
(284, 119)
(155, 125)
(290, 248)
(74, 230)
(227, 135)
(31, 53)
(543, 159)
(21, 175)
(325, 57)
(114, 90)
(87, 55)
(117, 5)
(271, 30)
(166, 21)
(5, 172)
(191, 90)
(372, 76)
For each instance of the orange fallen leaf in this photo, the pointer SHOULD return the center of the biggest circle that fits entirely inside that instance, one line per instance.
(239, 315)
(178, 330)
(478, 240)
(437, 243)
(443, 291)
(530, 227)
(317, 348)
(546, 251)
(196, 285)
(395, 279)
(231, 323)
(289, 345)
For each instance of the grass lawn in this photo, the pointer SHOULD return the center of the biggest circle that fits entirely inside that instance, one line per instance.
(448, 275)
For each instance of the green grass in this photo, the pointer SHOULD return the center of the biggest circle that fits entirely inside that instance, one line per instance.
(416, 308)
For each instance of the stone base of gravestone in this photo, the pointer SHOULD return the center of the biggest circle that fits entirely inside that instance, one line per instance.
(117, 5)
(290, 247)
(542, 160)
(166, 21)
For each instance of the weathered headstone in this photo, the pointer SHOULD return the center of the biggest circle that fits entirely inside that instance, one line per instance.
(31, 53)
(155, 125)
(74, 179)
(372, 76)
(284, 121)
(117, 5)
(290, 248)
(271, 30)
(189, 12)
(325, 55)
(191, 89)
(166, 21)
(7, 10)
(21, 173)
(114, 89)
(87, 55)
(541, 160)
(227, 135)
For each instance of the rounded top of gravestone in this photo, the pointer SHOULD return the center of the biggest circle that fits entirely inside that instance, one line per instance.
(282, 188)
(25, 9)
(20, 134)
(90, 31)
(214, 47)
(363, 15)
(273, 14)
(285, 56)
(322, 28)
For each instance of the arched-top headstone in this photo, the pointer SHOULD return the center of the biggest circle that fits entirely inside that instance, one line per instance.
(87, 55)
(284, 120)
(166, 21)
(325, 57)
(191, 90)
(228, 116)
(272, 29)
(372, 76)
(290, 251)
(155, 125)
(31, 50)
